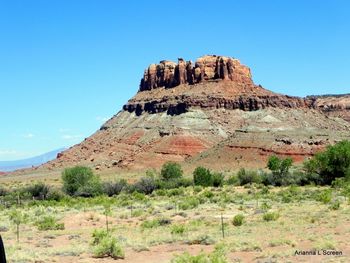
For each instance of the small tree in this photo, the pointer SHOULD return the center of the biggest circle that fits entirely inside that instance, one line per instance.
(18, 218)
(81, 181)
(279, 168)
(107, 212)
(248, 177)
(171, 170)
(333, 163)
(202, 176)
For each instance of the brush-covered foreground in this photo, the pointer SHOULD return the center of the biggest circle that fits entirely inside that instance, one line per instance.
(254, 223)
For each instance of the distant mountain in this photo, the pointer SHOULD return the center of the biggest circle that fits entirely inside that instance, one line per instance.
(8, 166)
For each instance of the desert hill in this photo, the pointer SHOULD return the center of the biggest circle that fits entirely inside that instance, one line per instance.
(211, 113)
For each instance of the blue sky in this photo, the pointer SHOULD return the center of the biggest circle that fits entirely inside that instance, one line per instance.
(67, 66)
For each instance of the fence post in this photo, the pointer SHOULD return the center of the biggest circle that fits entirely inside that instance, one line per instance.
(2, 252)
(222, 226)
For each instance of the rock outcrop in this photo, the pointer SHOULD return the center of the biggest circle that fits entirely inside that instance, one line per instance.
(174, 88)
(333, 105)
(168, 74)
(209, 113)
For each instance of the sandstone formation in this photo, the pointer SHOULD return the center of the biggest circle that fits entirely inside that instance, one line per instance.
(168, 74)
(209, 113)
(333, 105)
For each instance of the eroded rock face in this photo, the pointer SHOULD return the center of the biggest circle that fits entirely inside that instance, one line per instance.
(212, 82)
(169, 74)
(209, 113)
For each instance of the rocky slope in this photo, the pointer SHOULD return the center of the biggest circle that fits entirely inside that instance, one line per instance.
(333, 105)
(209, 112)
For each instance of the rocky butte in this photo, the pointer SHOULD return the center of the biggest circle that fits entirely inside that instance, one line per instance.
(209, 113)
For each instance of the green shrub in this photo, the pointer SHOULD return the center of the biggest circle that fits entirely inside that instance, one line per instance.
(164, 221)
(145, 185)
(248, 177)
(49, 223)
(38, 191)
(218, 179)
(202, 177)
(335, 205)
(197, 188)
(207, 194)
(138, 196)
(189, 203)
(81, 181)
(114, 188)
(290, 178)
(232, 180)
(171, 170)
(175, 192)
(147, 224)
(330, 164)
(238, 220)
(271, 216)
(214, 257)
(324, 196)
(3, 191)
(105, 245)
(55, 195)
(178, 229)
(173, 183)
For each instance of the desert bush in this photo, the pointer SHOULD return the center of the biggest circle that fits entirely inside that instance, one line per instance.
(37, 191)
(202, 177)
(81, 181)
(178, 229)
(330, 164)
(55, 195)
(291, 178)
(136, 213)
(174, 183)
(114, 188)
(324, 196)
(335, 205)
(265, 206)
(217, 256)
(171, 170)
(3, 191)
(145, 185)
(248, 177)
(189, 203)
(271, 216)
(232, 180)
(197, 188)
(106, 245)
(150, 224)
(175, 192)
(238, 220)
(218, 179)
(147, 224)
(49, 223)
(164, 221)
(207, 194)
(138, 196)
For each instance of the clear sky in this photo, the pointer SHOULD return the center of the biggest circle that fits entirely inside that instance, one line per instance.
(66, 66)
